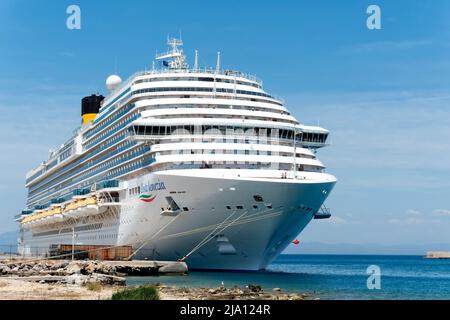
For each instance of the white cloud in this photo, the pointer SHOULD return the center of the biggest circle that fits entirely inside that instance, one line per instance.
(407, 221)
(442, 212)
(337, 220)
(415, 217)
(412, 212)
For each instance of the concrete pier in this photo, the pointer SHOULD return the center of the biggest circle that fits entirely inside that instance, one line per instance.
(438, 255)
(148, 267)
(43, 267)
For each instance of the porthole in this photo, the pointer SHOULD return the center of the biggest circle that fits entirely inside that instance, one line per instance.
(258, 198)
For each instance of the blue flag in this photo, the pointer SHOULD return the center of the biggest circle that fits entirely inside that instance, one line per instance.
(165, 63)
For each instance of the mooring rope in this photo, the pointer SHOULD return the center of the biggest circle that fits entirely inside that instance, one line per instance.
(210, 236)
(153, 236)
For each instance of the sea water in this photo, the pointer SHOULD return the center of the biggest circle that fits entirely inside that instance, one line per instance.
(332, 277)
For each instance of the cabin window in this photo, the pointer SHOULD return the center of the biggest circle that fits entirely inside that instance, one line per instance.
(258, 198)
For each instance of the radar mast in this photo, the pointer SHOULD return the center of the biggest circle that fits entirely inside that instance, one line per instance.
(174, 57)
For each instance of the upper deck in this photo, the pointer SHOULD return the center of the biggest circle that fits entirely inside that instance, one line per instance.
(228, 76)
(208, 86)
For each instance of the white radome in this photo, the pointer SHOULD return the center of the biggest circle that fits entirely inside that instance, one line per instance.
(113, 82)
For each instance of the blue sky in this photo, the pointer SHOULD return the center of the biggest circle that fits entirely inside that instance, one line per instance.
(383, 94)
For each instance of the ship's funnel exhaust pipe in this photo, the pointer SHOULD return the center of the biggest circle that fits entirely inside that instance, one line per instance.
(90, 106)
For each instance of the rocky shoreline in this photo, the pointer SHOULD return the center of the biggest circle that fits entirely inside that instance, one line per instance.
(66, 272)
(87, 280)
(85, 271)
(250, 292)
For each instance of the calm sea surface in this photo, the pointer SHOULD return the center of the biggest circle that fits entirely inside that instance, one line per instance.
(332, 277)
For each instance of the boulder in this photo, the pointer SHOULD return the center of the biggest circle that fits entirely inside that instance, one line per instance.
(107, 279)
(60, 271)
(37, 268)
(60, 265)
(254, 288)
(77, 279)
(107, 269)
(4, 269)
(73, 268)
(178, 267)
(89, 268)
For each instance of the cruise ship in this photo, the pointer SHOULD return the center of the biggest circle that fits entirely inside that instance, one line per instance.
(182, 163)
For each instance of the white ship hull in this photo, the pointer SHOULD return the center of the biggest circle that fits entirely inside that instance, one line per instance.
(240, 237)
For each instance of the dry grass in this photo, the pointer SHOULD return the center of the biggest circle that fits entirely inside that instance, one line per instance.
(139, 293)
(94, 286)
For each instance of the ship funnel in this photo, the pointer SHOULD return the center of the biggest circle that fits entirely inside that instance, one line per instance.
(90, 106)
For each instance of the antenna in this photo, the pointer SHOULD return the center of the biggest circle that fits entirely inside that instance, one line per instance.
(218, 62)
(174, 58)
(115, 65)
(196, 60)
(217, 71)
